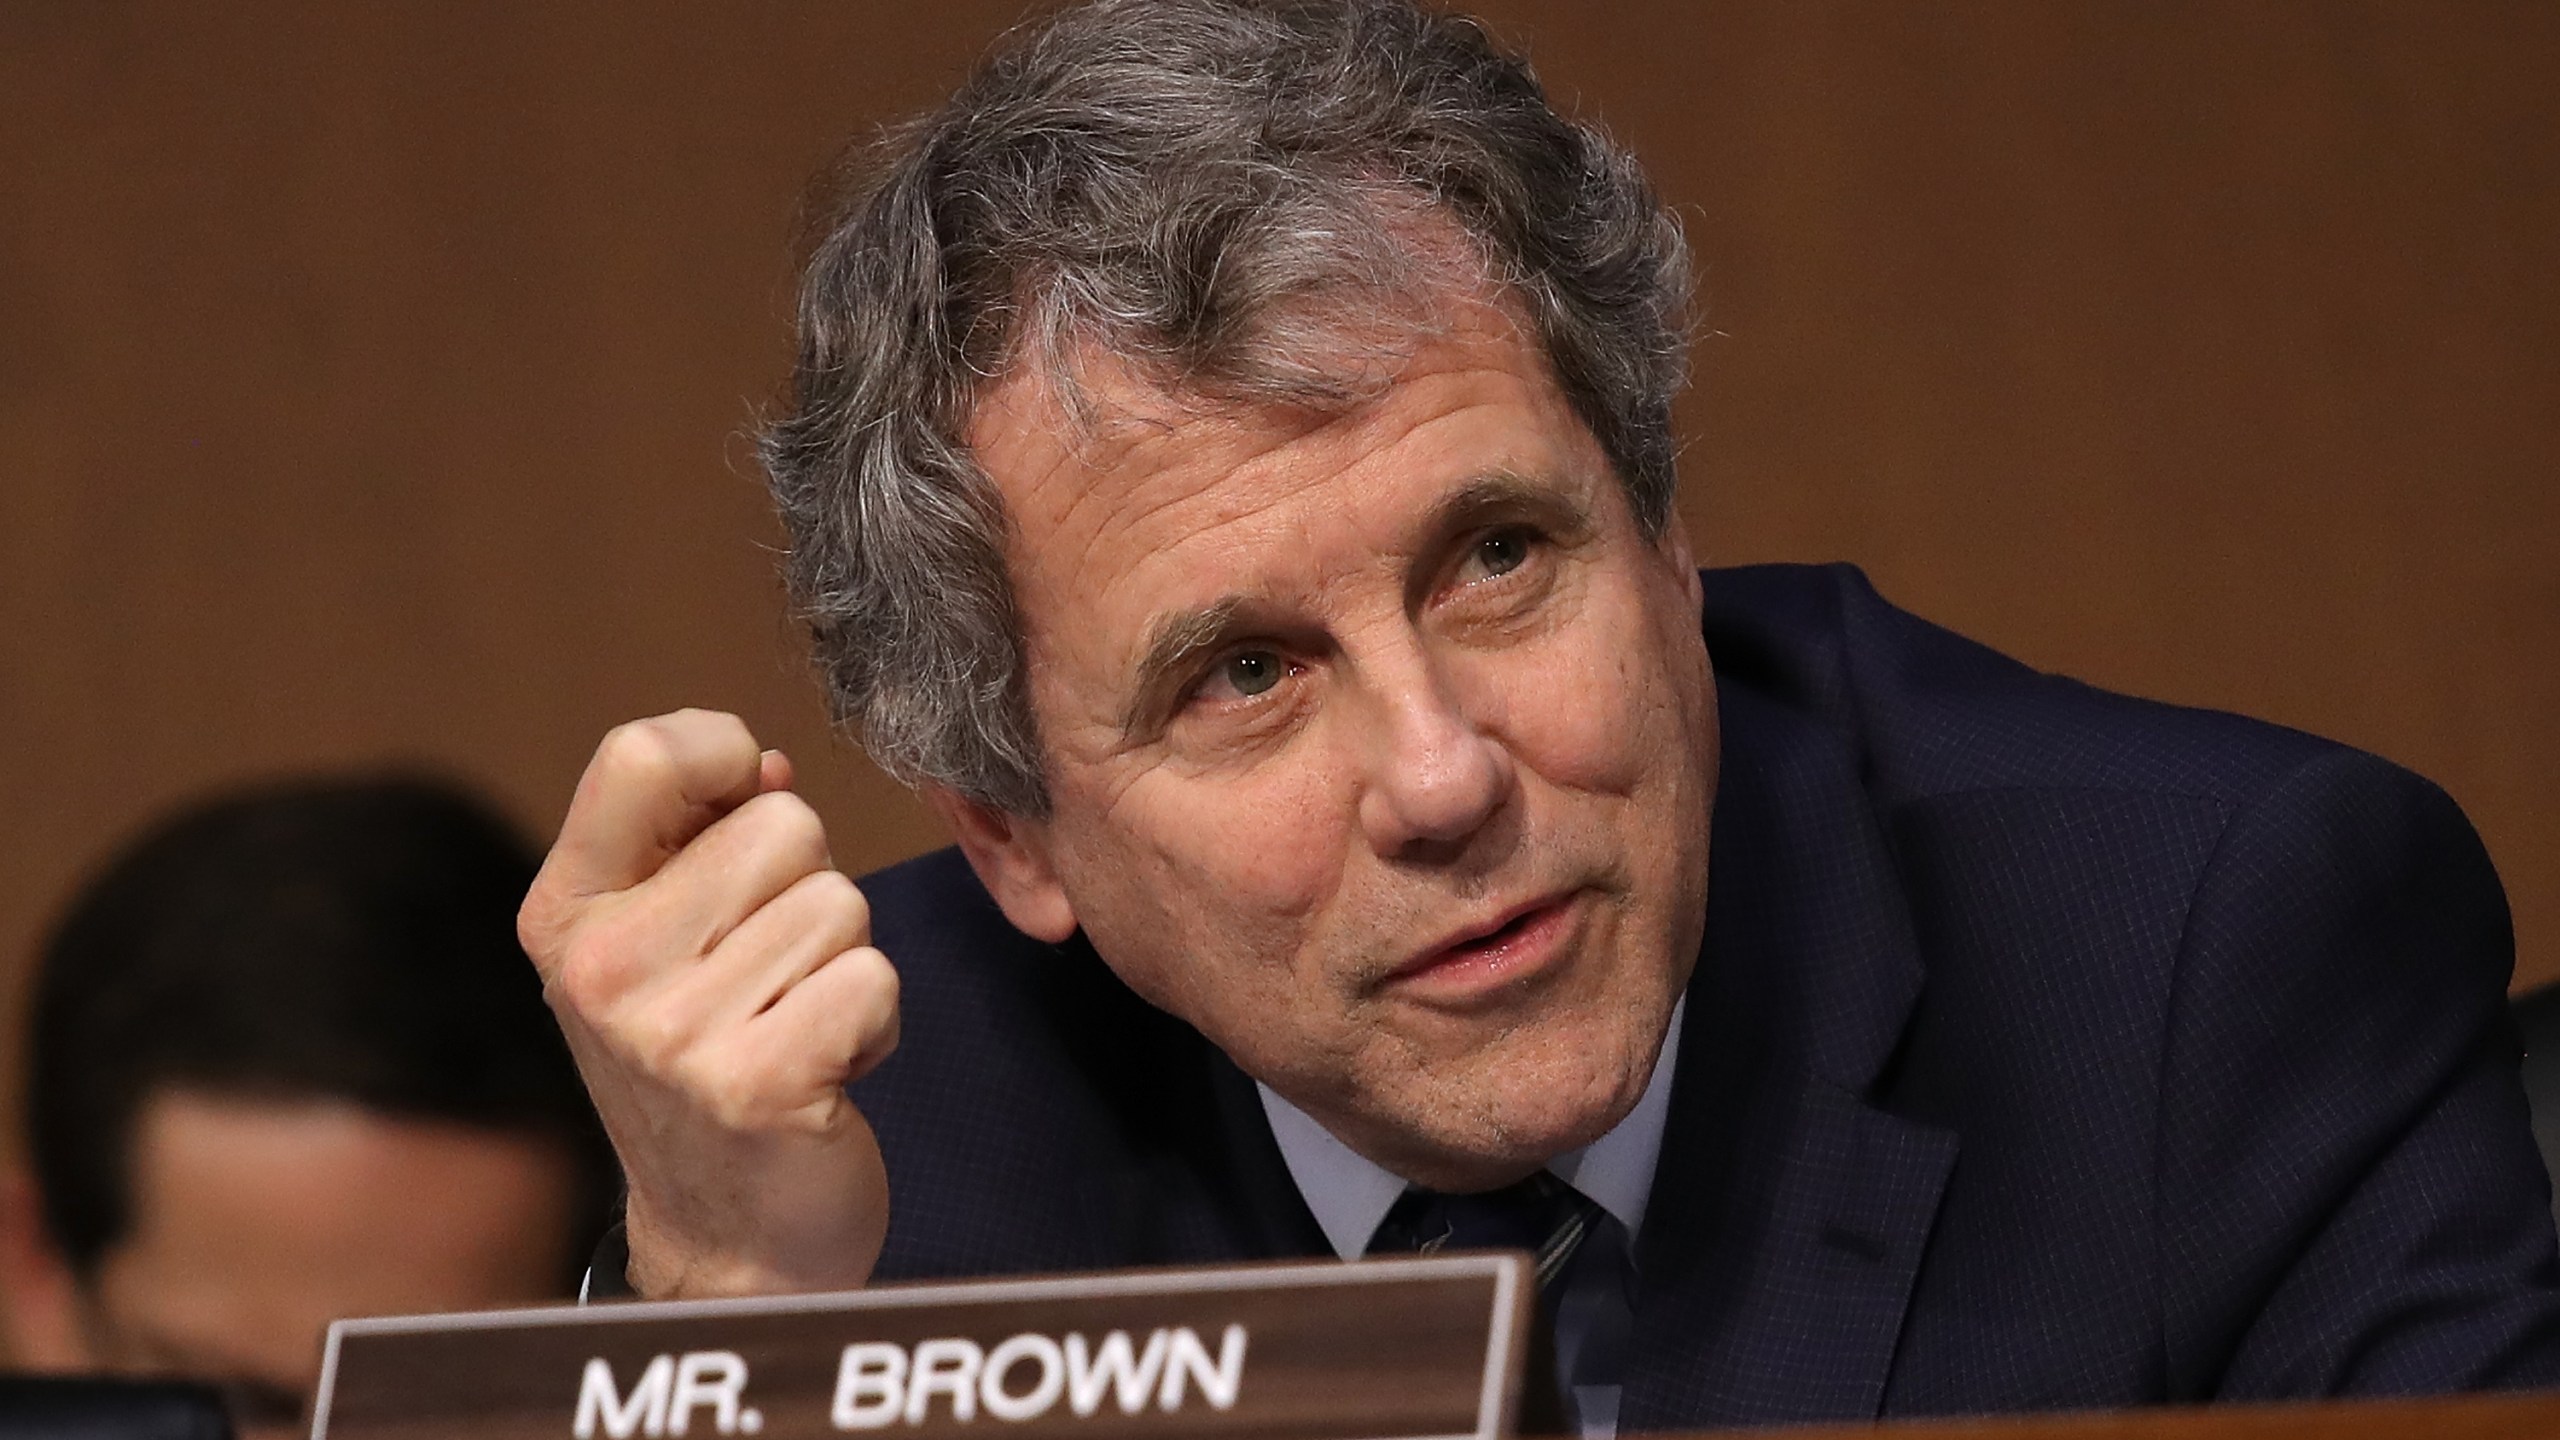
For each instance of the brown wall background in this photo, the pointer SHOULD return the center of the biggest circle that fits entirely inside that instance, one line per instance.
(371, 377)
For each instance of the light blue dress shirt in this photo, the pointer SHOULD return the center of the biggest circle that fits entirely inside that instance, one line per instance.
(1349, 1194)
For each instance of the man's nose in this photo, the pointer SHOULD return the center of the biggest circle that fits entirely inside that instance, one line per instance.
(1436, 777)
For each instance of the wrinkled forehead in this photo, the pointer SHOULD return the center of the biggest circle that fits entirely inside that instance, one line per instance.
(1085, 442)
(1099, 469)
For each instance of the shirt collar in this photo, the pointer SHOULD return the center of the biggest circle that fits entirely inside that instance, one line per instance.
(1349, 1193)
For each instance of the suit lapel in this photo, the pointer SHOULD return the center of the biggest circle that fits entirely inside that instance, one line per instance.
(1789, 1214)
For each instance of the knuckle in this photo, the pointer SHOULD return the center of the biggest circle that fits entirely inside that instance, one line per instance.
(872, 1035)
(726, 1108)
(879, 977)
(614, 947)
(636, 753)
(716, 737)
(732, 1098)
(720, 726)
(661, 1044)
(786, 822)
(538, 925)
(807, 1080)
(840, 899)
(590, 974)
(698, 1079)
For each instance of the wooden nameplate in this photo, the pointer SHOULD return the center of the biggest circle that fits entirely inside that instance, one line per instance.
(1378, 1350)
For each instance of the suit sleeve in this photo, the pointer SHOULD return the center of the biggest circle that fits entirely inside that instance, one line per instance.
(2350, 1199)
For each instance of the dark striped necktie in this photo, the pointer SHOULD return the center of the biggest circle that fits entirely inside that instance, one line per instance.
(1542, 1215)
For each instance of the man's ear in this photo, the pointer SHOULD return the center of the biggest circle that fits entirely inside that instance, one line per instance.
(39, 1296)
(1012, 857)
(1681, 556)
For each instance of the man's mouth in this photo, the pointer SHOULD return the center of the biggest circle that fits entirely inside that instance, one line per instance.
(1503, 950)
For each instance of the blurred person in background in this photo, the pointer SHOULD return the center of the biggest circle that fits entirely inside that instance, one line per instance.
(287, 1064)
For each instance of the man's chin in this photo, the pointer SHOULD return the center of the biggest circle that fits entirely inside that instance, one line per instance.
(1504, 1127)
(1470, 1163)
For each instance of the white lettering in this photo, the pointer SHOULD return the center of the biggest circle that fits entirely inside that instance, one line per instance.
(1131, 1377)
(871, 1386)
(1219, 1381)
(1031, 1403)
(948, 1367)
(716, 1378)
(880, 1384)
(624, 1416)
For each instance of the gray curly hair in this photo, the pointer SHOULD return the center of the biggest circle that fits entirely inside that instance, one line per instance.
(1213, 191)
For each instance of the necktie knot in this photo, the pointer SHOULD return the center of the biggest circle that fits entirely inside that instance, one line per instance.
(1542, 1215)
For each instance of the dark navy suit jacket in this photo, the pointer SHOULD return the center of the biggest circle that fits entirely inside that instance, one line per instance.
(2047, 1048)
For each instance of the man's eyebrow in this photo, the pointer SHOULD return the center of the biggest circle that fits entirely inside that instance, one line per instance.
(1509, 495)
(1173, 642)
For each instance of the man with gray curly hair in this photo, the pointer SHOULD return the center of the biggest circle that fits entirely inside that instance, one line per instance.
(1229, 472)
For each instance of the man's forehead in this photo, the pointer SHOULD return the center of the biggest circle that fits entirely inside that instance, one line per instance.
(1095, 417)
(1050, 433)
(1323, 354)
(1141, 474)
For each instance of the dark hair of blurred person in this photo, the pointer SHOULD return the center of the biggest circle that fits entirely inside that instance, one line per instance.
(287, 1063)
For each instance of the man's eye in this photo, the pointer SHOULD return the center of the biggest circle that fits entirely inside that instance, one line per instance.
(1502, 552)
(1250, 672)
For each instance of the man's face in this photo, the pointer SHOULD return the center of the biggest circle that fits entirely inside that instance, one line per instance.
(1381, 744)
(256, 1223)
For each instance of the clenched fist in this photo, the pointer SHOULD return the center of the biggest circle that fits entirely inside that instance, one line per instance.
(714, 974)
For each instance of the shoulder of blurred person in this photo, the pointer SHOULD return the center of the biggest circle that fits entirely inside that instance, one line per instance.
(286, 1063)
